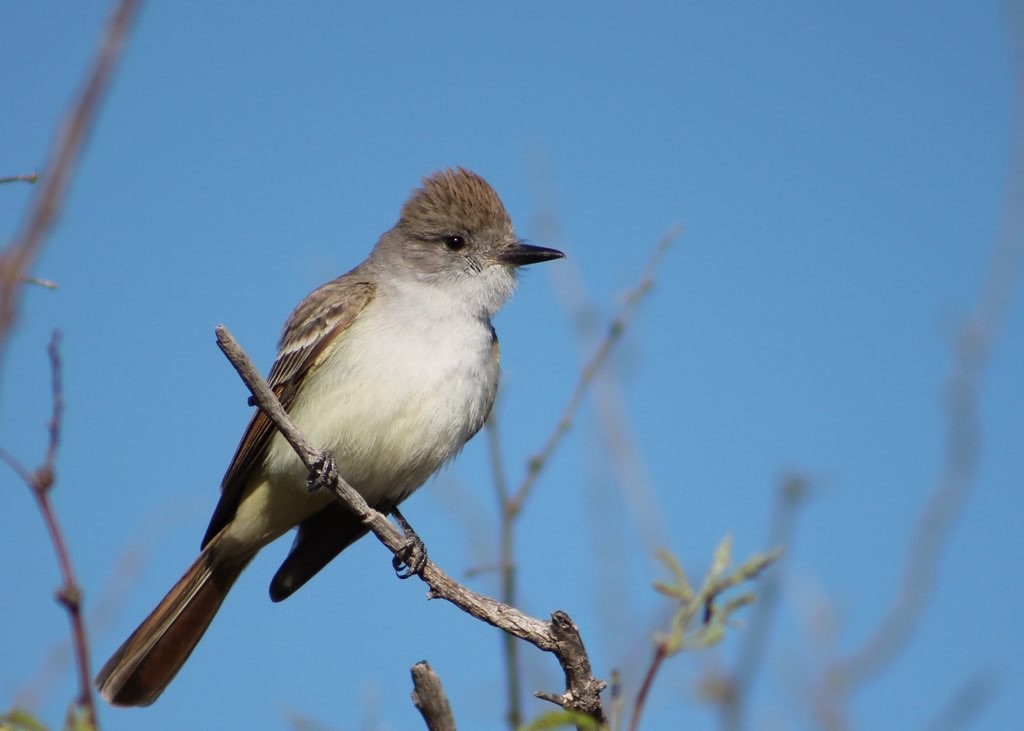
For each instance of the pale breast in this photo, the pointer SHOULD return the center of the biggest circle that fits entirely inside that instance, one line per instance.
(399, 395)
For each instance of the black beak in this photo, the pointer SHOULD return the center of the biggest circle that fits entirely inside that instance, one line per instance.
(520, 254)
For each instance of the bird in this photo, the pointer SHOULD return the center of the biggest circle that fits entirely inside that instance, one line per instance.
(390, 368)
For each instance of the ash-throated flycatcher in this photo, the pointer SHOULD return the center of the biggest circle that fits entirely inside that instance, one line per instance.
(391, 368)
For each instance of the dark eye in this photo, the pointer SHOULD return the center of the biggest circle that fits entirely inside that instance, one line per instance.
(454, 243)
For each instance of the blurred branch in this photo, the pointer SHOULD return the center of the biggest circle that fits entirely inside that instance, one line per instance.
(965, 704)
(559, 636)
(41, 482)
(612, 336)
(620, 455)
(299, 722)
(429, 698)
(511, 503)
(24, 178)
(700, 619)
(732, 691)
(618, 701)
(972, 351)
(17, 258)
(15, 261)
(507, 571)
(44, 283)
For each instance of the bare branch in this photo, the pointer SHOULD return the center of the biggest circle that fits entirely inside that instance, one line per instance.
(615, 330)
(971, 352)
(619, 447)
(732, 691)
(40, 482)
(506, 565)
(23, 178)
(511, 504)
(49, 197)
(39, 282)
(660, 653)
(559, 636)
(964, 706)
(429, 697)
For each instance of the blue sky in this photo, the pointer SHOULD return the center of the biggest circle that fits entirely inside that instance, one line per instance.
(841, 175)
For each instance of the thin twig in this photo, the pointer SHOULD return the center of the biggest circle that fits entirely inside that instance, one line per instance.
(15, 261)
(971, 353)
(511, 504)
(966, 703)
(41, 482)
(749, 658)
(931, 532)
(660, 653)
(39, 282)
(510, 648)
(49, 196)
(57, 389)
(496, 457)
(618, 701)
(559, 636)
(23, 472)
(615, 330)
(619, 449)
(23, 178)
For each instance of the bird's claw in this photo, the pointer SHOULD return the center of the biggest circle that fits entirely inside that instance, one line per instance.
(411, 557)
(324, 474)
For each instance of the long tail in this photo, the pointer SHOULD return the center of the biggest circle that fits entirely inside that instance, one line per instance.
(142, 667)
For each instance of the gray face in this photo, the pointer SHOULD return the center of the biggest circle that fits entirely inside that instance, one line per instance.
(454, 233)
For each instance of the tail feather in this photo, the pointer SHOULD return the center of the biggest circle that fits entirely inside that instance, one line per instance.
(142, 667)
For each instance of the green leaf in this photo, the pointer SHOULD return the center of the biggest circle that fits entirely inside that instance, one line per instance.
(681, 589)
(563, 719)
(20, 721)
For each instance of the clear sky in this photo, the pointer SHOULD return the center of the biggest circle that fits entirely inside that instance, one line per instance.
(841, 174)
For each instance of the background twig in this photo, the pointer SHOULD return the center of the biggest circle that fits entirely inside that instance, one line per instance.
(733, 691)
(614, 333)
(41, 482)
(971, 353)
(49, 196)
(511, 503)
(23, 178)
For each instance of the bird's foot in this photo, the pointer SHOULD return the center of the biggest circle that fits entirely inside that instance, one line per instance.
(412, 557)
(324, 474)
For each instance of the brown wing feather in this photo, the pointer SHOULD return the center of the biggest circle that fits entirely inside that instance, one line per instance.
(319, 320)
